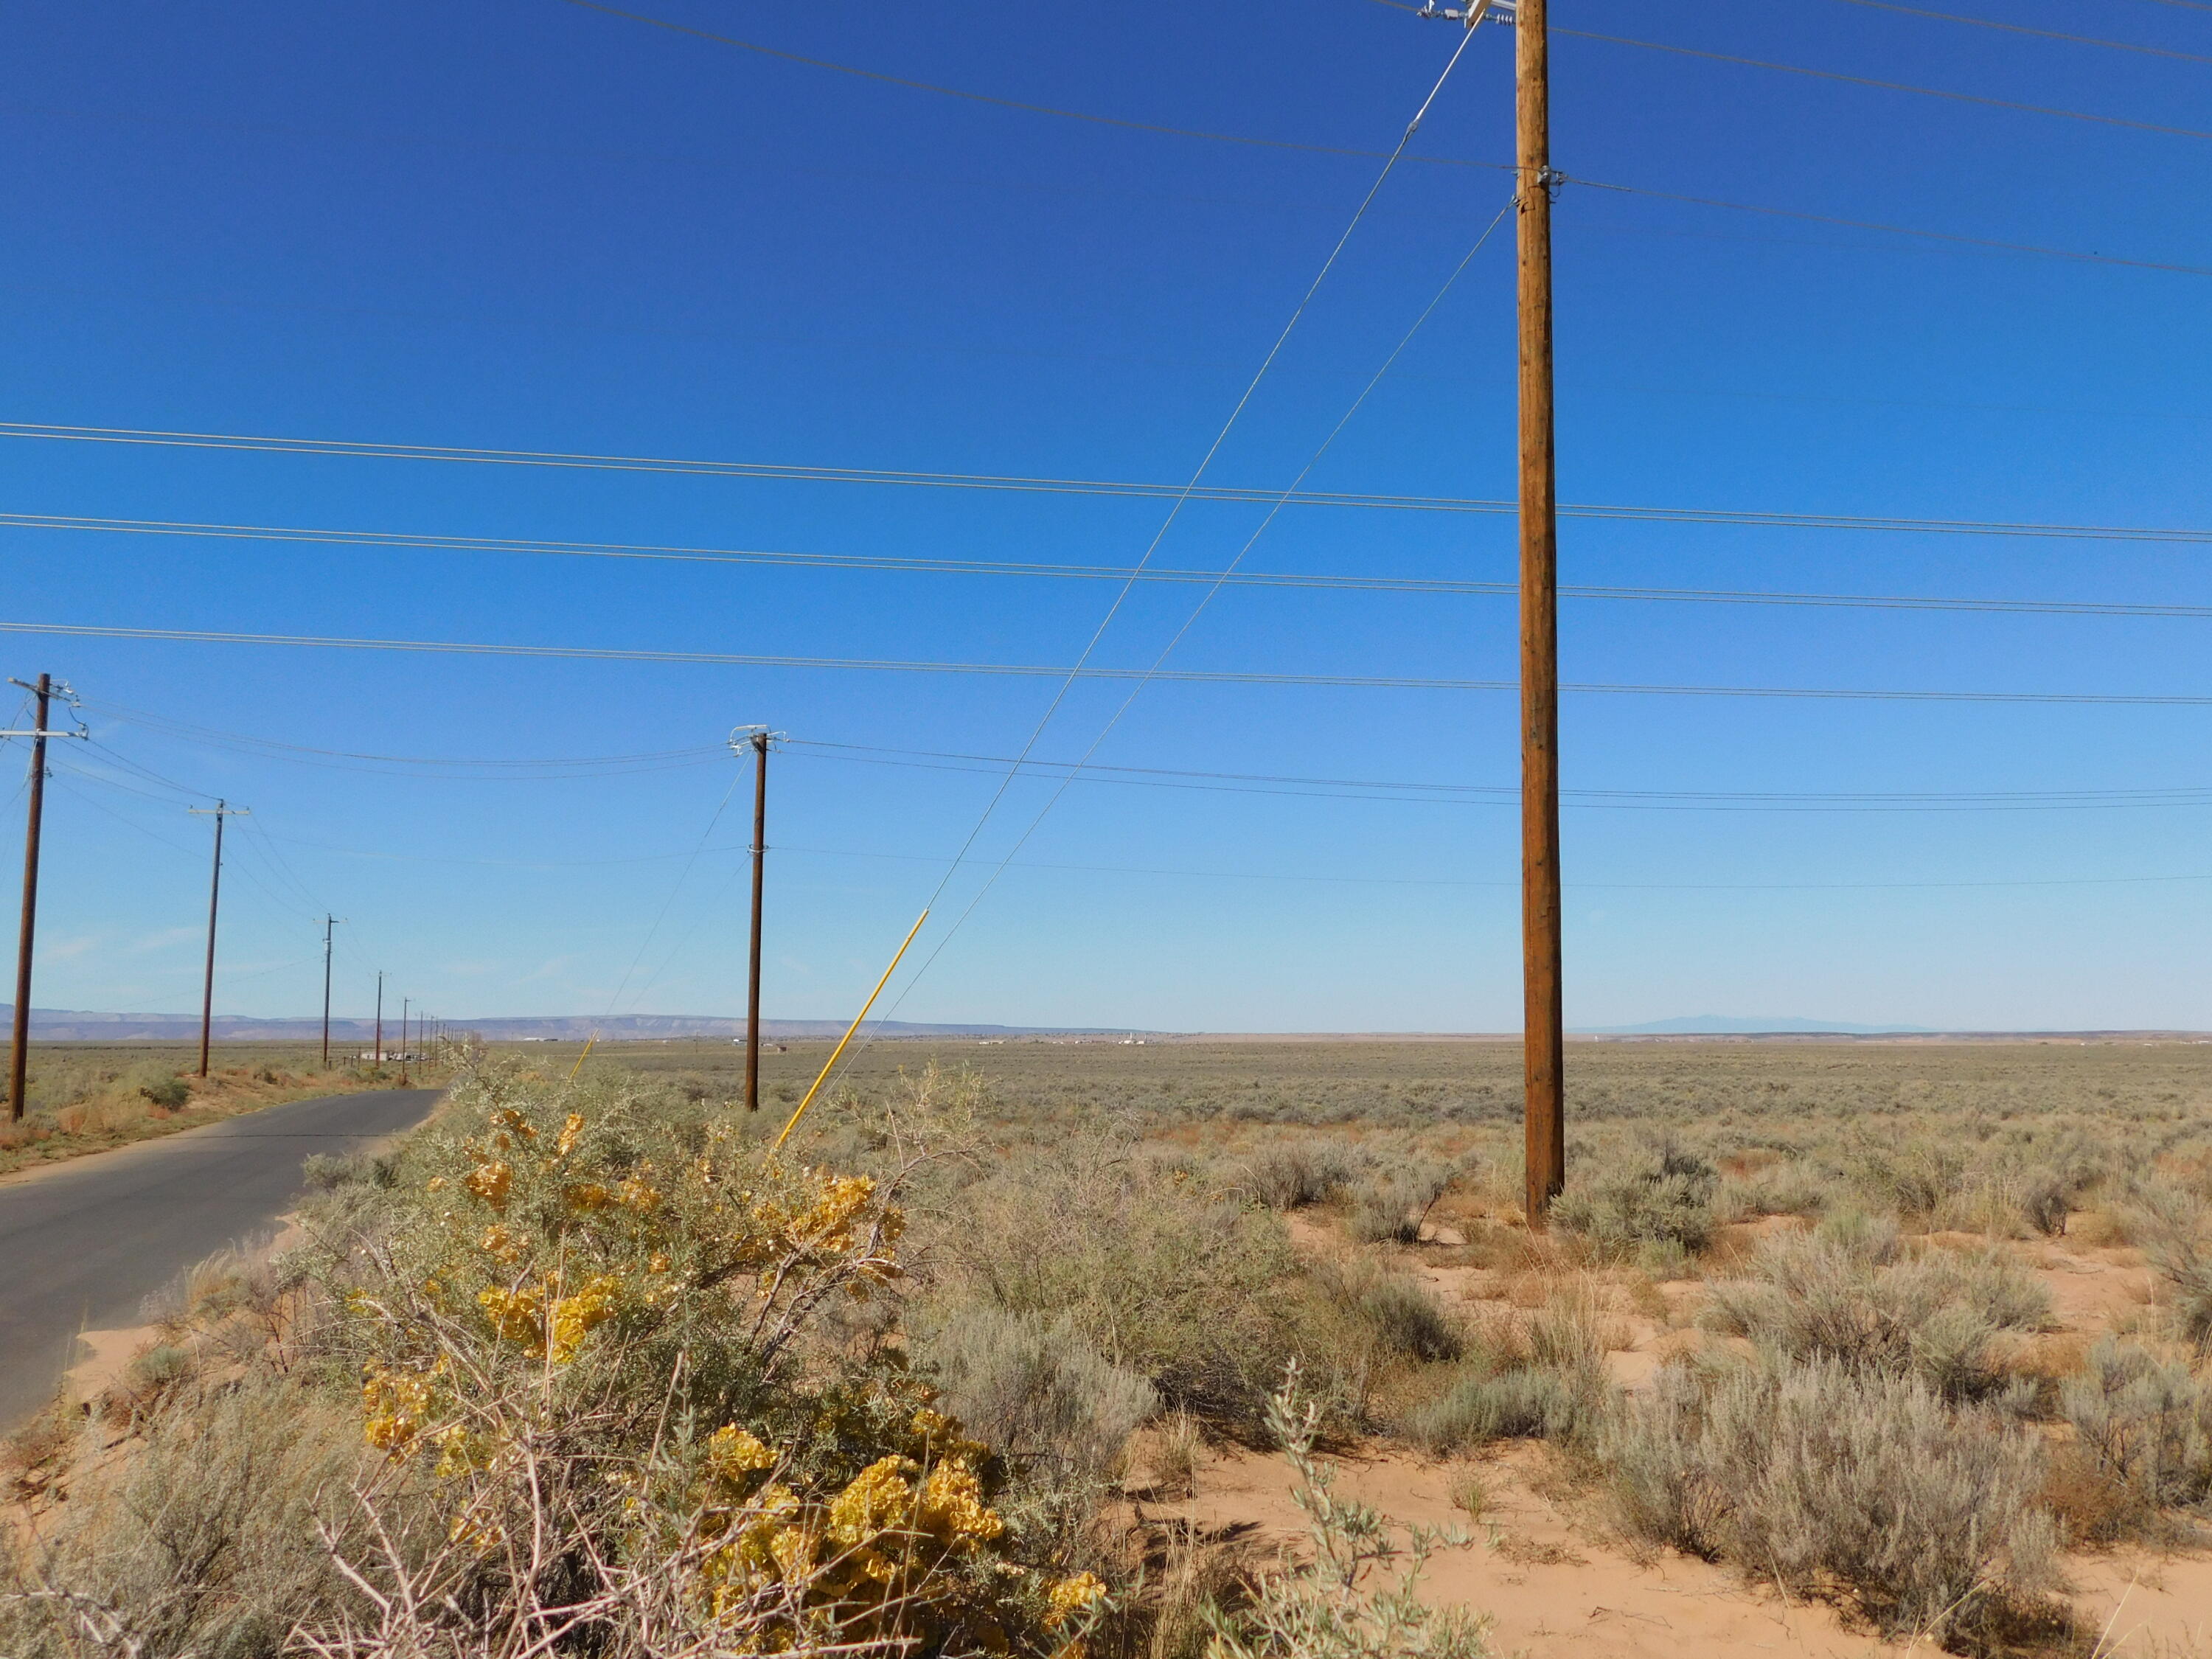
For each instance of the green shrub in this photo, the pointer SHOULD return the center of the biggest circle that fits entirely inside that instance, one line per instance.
(1288, 1175)
(1162, 1275)
(1039, 1394)
(1542, 1377)
(2145, 1427)
(1664, 1198)
(161, 1087)
(588, 1399)
(2172, 1223)
(1398, 1311)
(1391, 1207)
(1843, 1482)
(1848, 1292)
(1792, 1189)
(1913, 1179)
(205, 1542)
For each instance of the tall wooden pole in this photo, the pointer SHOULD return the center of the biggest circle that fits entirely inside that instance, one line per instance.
(753, 978)
(19, 1055)
(1543, 1033)
(329, 921)
(380, 1019)
(215, 897)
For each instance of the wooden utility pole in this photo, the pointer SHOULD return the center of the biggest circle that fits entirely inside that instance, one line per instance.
(752, 977)
(19, 1055)
(329, 922)
(1543, 1028)
(221, 810)
(379, 1062)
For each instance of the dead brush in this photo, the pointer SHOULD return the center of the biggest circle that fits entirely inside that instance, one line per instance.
(574, 1393)
(607, 1412)
(2175, 1227)
(2142, 1442)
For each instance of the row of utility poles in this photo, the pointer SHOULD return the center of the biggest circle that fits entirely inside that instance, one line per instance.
(1543, 1038)
(43, 692)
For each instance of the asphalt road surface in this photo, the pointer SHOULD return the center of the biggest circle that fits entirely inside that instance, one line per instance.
(84, 1243)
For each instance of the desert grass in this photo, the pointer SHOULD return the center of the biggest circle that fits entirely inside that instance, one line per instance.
(90, 1098)
(1105, 1265)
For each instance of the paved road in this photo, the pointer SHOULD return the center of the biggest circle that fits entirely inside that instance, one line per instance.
(83, 1244)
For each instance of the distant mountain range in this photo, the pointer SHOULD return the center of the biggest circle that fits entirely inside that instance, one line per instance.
(1749, 1025)
(74, 1025)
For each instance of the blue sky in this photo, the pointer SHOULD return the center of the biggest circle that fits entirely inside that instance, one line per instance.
(530, 225)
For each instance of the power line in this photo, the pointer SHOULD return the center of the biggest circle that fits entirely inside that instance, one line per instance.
(1984, 242)
(1297, 314)
(1885, 86)
(1748, 517)
(1238, 577)
(1507, 794)
(98, 805)
(1590, 886)
(1197, 676)
(1445, 160)
(1182, 498)
(1303, 788)
(76, 770)
(667, 904)
(2021, 28)
(586, 765)
(1160, 662)
(991, 99)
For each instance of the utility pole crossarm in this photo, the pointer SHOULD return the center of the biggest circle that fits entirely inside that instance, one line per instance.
(1496, 11)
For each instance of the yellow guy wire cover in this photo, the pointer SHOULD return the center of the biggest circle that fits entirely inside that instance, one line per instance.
(849, 1030)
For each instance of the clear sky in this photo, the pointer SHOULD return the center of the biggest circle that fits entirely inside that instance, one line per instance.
(529, 225)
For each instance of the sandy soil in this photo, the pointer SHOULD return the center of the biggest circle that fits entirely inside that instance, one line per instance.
(1554, 1581)
(1554, 1584)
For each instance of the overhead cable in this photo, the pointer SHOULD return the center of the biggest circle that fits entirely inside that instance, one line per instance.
(2022, 28)
(961, 566)
(1746, 518)
(1593, 886)
(1188, 676)
(500, 769)
(1239, 782)
(1160, 660)
(1301, 875)
(1206, 461)
(1434, 160)
(1508, 795)
(1984, 242)
(988, 97)
(1885, 86)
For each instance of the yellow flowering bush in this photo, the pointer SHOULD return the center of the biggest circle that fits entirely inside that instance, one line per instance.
(597, 1372)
